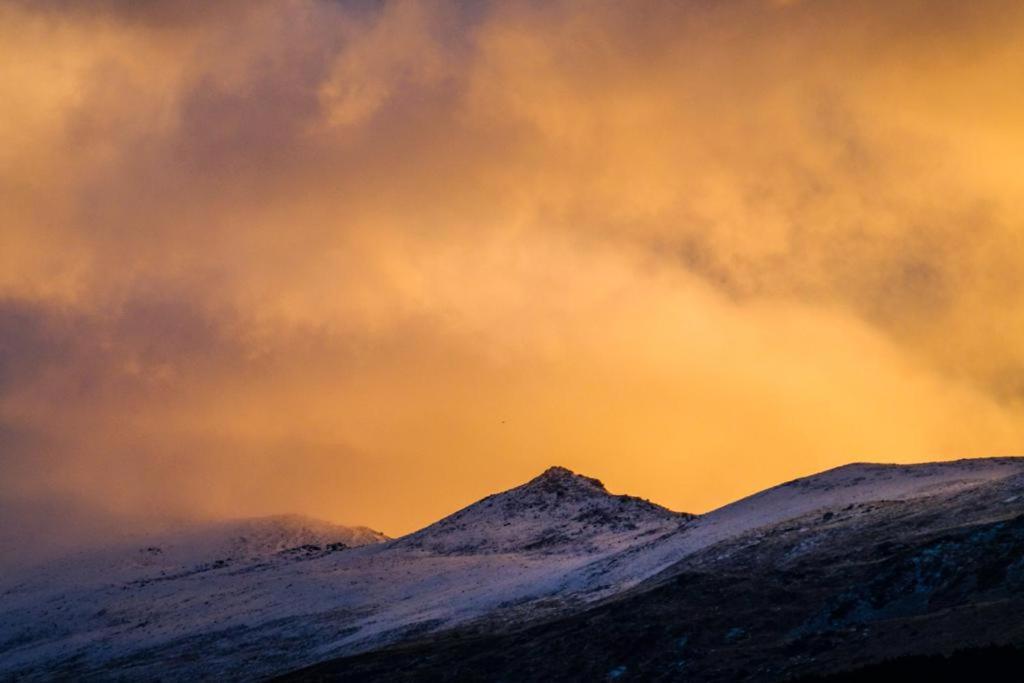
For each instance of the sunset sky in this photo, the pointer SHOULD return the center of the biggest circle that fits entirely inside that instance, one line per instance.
(371, 261)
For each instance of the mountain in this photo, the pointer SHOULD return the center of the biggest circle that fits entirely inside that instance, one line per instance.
(255, 603)
(233, 541)
(557, 579)
(835, 489)
(553, 512)
(100, 606)
(858, 566)
(199, 548)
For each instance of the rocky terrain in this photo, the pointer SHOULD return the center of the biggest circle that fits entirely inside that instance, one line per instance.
(257, 597)
(557, 510)
(557, 579)
(877, 565)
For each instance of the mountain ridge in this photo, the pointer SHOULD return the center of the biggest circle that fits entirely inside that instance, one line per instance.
(555, 508)
(556, 546)
(934, 568)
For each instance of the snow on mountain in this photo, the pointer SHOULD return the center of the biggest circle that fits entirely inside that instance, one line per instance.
(926, 561)
(243, 539)
(834, 489)
(247, 599)
(262, 535)
(202, 546)
(274, 596)
(134, 595)
(556, 510)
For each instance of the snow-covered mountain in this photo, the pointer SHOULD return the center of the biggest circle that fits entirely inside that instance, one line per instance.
(268, 595)
(832, 490)
(252, 598)
(862, 565)
(555, 511)
(201, 547)
(131, 596)
(260, 536)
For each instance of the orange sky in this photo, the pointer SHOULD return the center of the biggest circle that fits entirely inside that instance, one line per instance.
(372, 261)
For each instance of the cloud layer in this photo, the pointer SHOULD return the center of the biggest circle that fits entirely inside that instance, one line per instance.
(373, 260)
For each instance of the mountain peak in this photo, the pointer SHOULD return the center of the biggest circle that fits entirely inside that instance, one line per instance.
(557, 478)
(556, 511)
(557, 471)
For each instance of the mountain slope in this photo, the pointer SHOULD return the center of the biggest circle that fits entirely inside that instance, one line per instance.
(509, 557)
(853, 484)
(100, 605)
(931, 563)
(559, 556)
(555, 511)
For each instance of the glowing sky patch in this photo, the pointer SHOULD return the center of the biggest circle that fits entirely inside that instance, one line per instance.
(372, 261)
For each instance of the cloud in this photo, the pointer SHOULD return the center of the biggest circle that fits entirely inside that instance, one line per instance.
(373, 260)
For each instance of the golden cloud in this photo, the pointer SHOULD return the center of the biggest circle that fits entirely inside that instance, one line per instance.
(373, 261)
